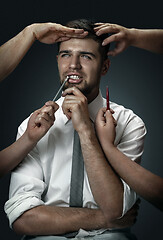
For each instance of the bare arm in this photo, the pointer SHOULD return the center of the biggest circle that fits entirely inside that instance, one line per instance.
(106, 186)
(148, 39)
(51, 220)
(12, 52)
(145, 183)
(39, 123)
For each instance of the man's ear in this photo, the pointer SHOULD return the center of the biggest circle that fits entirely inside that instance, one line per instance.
(105, 67)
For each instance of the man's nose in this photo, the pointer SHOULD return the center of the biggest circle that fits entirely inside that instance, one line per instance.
(75, 62)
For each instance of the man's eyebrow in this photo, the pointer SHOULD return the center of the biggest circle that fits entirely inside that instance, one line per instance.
(81, 52)
(64, 51)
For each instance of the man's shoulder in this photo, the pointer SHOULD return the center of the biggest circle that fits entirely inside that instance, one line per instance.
(124, 114)
(130, 127)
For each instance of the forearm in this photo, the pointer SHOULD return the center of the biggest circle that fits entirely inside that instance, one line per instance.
(142, 181)
(12, 52)
(51, 220)
(106, 186)
(151, 40)
(11, 156)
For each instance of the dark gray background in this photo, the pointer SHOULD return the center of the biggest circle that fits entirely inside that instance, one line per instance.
(134, 79)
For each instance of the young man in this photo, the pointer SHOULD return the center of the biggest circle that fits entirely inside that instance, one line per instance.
(39, 202)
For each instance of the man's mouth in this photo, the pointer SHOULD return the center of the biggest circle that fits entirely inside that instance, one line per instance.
(74, 78)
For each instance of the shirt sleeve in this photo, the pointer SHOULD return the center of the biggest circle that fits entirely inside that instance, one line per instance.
(131, 143)
(27, 185)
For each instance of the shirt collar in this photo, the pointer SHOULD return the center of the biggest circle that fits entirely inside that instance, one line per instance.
(93, 107)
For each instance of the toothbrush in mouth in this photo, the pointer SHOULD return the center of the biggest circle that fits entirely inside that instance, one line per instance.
(66, 79)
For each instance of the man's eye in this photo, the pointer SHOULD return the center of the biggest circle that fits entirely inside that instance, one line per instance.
(86, 57)
(65, 55)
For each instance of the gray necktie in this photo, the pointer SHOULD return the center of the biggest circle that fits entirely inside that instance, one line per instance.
(77, 174)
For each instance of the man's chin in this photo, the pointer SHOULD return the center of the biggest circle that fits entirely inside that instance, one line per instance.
(70, 85)
(85, 90)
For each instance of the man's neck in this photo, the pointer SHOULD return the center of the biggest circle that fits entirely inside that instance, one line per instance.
(91, 97)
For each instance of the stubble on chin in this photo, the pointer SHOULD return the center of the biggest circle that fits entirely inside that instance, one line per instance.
(84, 89)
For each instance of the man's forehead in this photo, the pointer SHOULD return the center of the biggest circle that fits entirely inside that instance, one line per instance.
(76, 44)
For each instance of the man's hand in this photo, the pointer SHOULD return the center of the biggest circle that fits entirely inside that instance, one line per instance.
(40, 121)
(105, 126)
(52, 32)
(120, 35)
(75, 107)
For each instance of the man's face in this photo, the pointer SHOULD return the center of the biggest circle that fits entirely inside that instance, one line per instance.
(81, 60)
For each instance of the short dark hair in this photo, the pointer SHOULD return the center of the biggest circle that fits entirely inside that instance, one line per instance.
(88, 26)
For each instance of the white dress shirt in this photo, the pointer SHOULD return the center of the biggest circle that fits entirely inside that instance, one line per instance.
(43, 178)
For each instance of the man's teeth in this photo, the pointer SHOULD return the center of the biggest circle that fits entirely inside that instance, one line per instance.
(74, 77)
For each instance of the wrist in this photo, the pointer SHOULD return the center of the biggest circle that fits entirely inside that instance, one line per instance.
(29, 141)
(86, 134)
(108, 146)
(86, 129)
(133, 36)
(30, 31)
